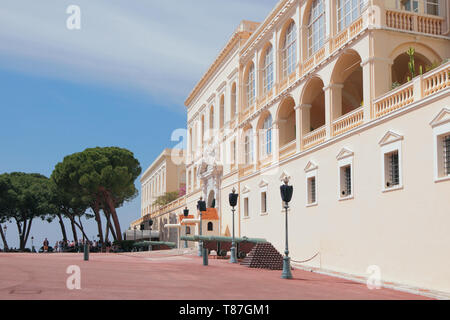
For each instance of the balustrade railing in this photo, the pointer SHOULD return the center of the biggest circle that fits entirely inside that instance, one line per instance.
(314, 138)
(288, 149)
(348, 122)
(436, 80)
(394, 100)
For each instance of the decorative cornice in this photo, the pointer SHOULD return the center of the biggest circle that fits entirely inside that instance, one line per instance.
(236, 39)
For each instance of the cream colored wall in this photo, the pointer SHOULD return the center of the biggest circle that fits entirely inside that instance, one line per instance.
(403, 232)
(374, 228)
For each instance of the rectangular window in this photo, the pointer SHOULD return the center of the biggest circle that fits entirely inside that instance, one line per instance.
(446, 154)
(346, 181)
(392, 169)
(312, 198)
(432, 7)
(264, 202)
(246, 208)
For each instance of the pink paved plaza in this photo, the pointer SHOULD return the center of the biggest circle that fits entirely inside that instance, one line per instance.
(164, 276)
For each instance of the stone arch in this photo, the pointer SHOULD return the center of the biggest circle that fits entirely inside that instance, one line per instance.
(286, 121)
(425, 57)
(313, 105)
(346, 85)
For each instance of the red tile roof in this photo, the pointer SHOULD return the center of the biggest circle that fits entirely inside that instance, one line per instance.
(182, 217)
(210, 214)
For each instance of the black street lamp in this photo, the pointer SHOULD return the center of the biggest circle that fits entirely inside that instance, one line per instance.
(287, 192)
(32, 244)
(5, 228)
(233, 203)
(186, 214)
(201, 206)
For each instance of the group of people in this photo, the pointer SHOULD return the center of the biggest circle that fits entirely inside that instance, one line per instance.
(70, 246)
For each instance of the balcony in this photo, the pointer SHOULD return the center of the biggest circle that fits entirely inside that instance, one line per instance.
(288, 150)
(421, 87)
(314, 138)
(348, 122)
(246, 170)
(409, 21)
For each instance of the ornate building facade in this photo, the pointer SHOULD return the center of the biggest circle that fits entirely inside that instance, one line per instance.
(350, 99)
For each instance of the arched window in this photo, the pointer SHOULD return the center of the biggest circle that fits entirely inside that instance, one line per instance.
(222, 111)
(290, 50)
(266, 137)
(348, 11)
(268, 70)
(233, 100)
(188, 230)
(316, 27)
(202, 130)
(248, 147)
(210, 226)
(211, 118)
(250, 86)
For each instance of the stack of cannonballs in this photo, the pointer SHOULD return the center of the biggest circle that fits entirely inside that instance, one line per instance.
(264, 256)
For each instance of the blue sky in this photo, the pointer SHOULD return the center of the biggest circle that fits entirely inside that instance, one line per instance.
(119, 81)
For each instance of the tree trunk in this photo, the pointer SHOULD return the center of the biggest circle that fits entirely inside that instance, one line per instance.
(74, 231)
(112, 209)
(19, 228)
(27, 232)
(5, 243)
(109, 226)
(63, 228)
(96, 210)
(80, 226)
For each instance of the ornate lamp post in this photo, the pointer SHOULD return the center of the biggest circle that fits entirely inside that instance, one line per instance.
(201, 206)
(186, 214)
(233, 202)
(287, 192)
(150, 224)
(32, 244)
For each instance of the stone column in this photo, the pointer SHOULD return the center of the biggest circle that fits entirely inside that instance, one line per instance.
(298, 128)
(377, 80)
(333, 106)
(255, 149)
(275, 141)
(305, 121)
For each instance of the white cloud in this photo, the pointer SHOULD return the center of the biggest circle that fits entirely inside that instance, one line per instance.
(156, 46)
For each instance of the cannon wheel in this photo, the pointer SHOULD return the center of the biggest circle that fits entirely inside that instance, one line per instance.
(242, 255)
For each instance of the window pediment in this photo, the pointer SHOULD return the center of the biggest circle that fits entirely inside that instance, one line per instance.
(390, 137)
(311, 166)
(441, 118)
(345, 153)
(246, 190)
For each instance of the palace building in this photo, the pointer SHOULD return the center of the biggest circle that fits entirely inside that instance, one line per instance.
(349, 99)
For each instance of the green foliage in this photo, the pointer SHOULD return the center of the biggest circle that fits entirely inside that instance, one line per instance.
(84, 175)
(411, 64)
(433, 66)
(395, 85)
(24, 197)
(99, 178)
(166, 199)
